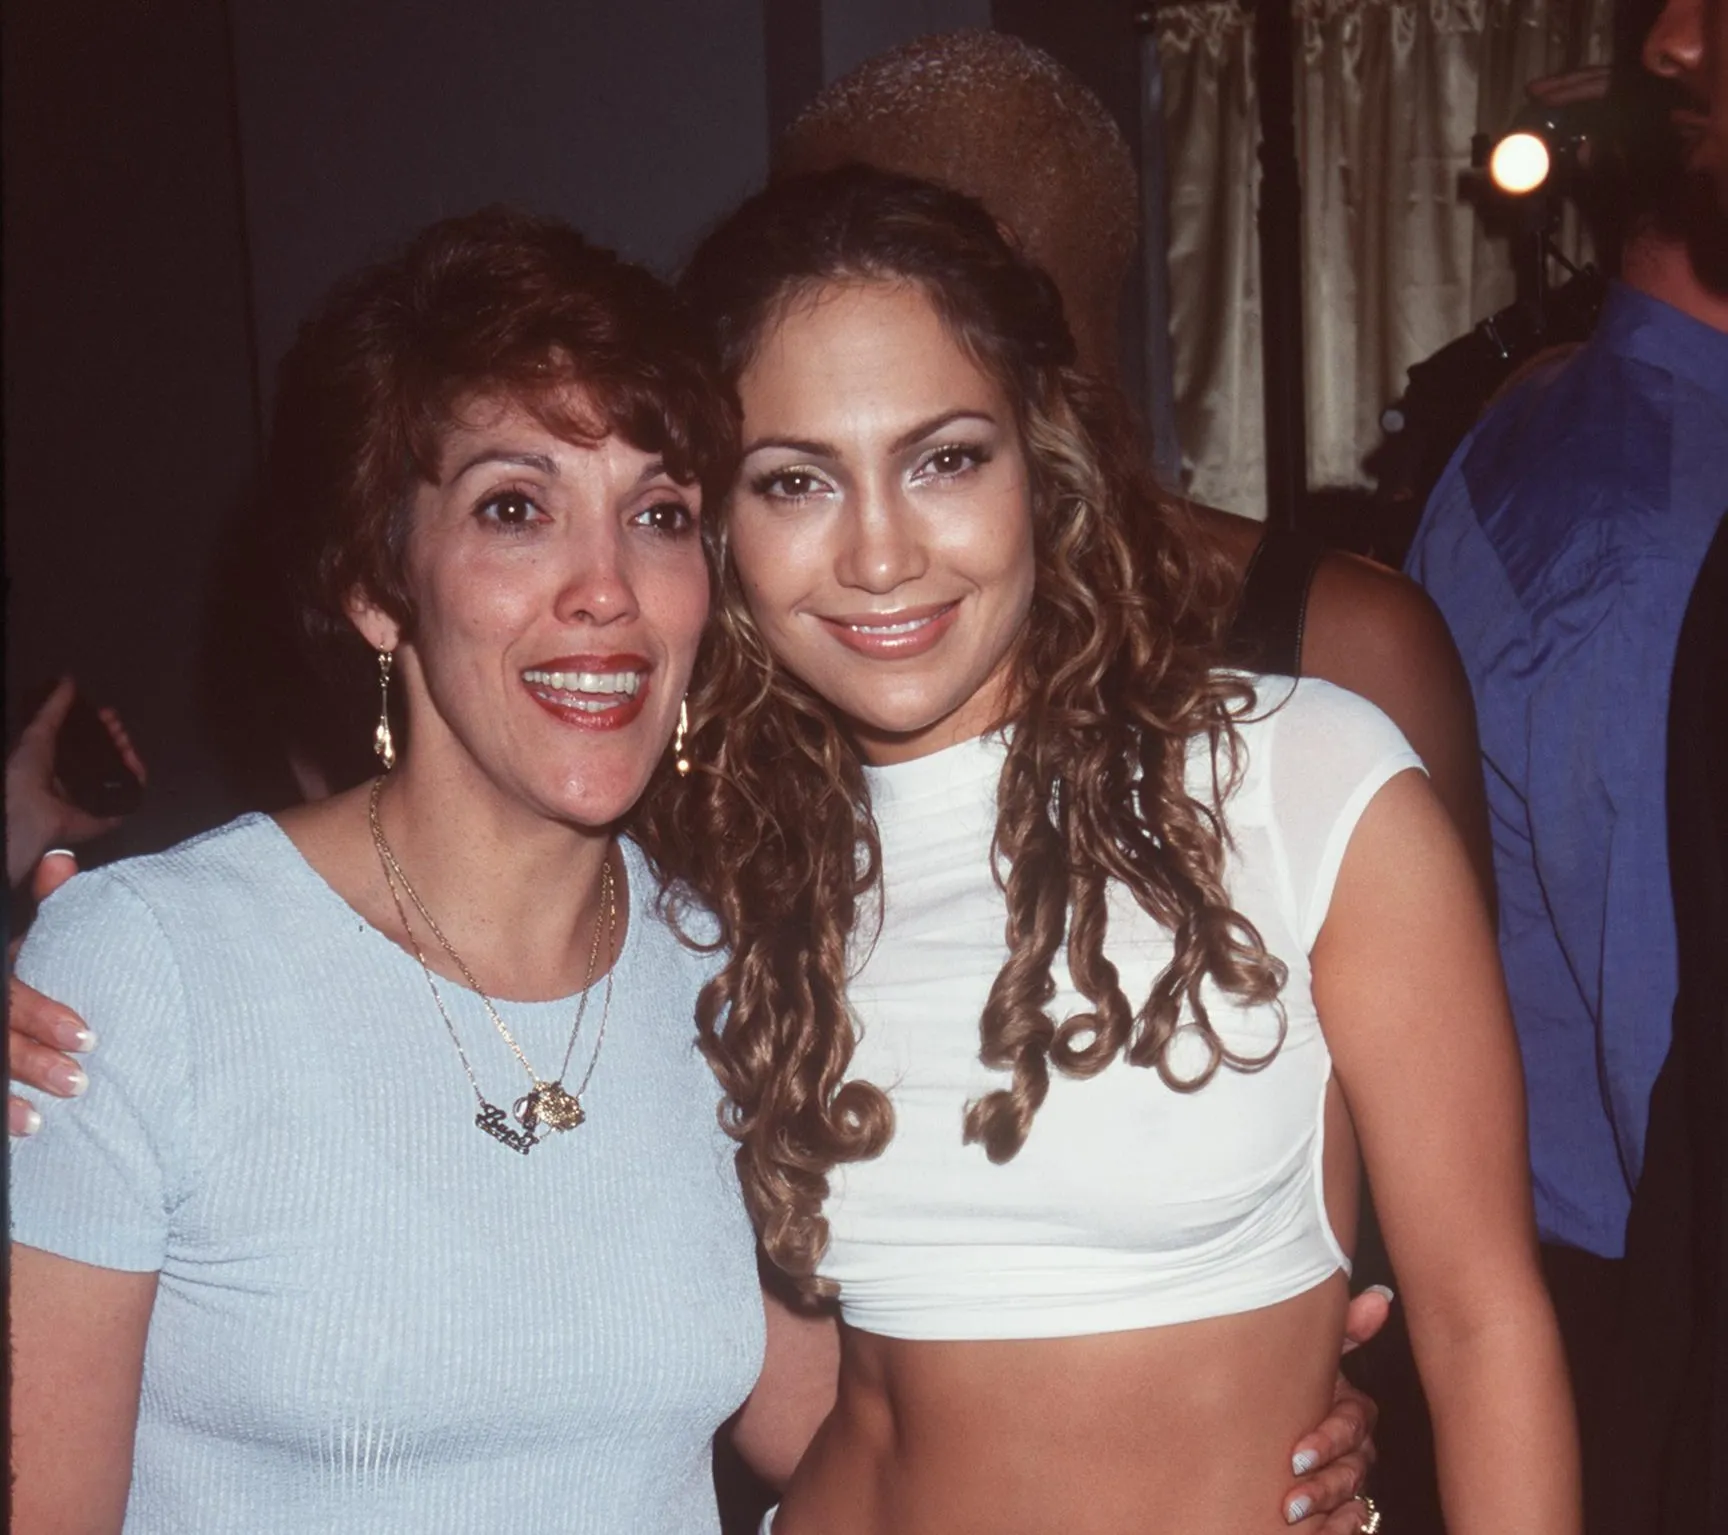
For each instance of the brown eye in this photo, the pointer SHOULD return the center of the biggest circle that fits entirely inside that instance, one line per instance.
(509, 509)
(787, 484)
(954, 459)
(669, 517)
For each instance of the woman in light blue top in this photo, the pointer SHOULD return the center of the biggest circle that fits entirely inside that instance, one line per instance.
(397, 1200)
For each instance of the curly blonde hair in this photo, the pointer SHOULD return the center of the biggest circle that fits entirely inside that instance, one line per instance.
(1115, 674)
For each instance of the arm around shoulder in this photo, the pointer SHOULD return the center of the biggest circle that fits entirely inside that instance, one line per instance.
(794, 1394)
(1408, 986)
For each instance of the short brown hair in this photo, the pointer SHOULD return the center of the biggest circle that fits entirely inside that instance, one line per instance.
(494, 301)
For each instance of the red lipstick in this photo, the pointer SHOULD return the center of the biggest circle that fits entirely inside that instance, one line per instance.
(590, 692)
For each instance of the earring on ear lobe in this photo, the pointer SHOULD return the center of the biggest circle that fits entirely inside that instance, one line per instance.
(381, 740)
(679, 760)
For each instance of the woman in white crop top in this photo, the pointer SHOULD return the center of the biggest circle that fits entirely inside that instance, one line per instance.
(1051, 1035)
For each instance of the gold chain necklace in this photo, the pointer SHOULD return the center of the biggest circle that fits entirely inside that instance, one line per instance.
(546, 1103)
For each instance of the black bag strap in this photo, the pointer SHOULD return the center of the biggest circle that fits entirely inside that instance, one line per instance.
(1266, 634)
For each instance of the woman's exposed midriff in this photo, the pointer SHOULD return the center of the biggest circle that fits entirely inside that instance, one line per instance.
(1180, 1428)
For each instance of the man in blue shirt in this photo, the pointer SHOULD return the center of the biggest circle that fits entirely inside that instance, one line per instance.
(1561, 545)
(1671, 1454)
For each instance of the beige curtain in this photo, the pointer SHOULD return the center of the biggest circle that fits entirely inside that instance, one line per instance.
(1395, 262)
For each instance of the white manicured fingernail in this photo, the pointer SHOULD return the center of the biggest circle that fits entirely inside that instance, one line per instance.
(1303, 1463)
(59, 852)
(1383, 1290)
(32, 1122)
(1298, 1510)
(84, 1041)
(67, 1080)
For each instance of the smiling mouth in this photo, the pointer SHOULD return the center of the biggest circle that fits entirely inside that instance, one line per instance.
(894, 635)
(585, 692)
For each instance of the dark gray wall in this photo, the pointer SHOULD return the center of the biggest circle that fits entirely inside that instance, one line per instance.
(641, 123)
(128, 396)
(853, 32)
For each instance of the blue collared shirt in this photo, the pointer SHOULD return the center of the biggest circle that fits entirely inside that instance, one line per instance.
(1561, 544)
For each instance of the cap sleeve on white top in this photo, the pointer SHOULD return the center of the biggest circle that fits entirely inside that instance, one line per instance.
(1327, 754)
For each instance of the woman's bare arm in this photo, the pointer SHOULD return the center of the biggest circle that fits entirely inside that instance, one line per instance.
(1332, 1462)
(1377, 633)
(795, 1391)
(77, 1363)
(1407, 981)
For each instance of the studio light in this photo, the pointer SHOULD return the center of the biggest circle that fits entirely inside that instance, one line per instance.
(1542, 150)
(1520, 162)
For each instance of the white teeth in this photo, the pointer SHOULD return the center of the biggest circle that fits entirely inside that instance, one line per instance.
(627, 683)
(905, 628)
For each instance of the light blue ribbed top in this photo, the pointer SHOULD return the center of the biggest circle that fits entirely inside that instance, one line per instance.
(371, 1316)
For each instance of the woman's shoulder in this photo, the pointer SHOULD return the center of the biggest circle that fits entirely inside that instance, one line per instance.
(160, 955)
(1315, 720)
(241, 874)
(675, 923)
(1317, 754)
(244, 849)
(1308, 753)
(130, 945)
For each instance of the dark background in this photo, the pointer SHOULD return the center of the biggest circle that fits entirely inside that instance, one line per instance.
(182, 181)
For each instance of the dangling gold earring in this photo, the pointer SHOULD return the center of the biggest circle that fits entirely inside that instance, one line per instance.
(381, 740)
(680, 761)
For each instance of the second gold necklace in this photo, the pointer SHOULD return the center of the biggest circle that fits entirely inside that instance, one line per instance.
(546, 1103)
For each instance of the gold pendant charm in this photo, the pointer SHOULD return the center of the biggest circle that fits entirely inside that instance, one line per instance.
(555, 1108)
(548, 1105)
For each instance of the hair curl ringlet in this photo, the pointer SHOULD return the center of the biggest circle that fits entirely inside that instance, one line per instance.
(1116, 673)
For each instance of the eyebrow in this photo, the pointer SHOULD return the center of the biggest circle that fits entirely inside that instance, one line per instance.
(915, 434)
(547, 465)
(540, 461)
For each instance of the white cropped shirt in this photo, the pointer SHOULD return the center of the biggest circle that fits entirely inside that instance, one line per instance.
(1131, 1204)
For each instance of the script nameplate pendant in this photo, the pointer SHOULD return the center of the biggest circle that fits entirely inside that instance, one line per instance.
(491, 1119)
